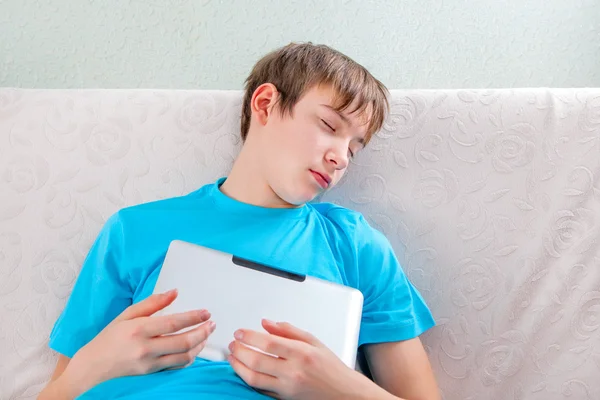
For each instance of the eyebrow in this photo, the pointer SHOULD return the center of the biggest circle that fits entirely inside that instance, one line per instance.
(342, 116)
(346, 120)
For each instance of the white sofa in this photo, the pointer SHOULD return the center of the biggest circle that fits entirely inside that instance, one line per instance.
(491, 199)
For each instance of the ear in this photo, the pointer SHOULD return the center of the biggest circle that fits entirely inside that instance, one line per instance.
(263, 101)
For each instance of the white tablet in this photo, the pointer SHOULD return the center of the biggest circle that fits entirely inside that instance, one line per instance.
(239, 293)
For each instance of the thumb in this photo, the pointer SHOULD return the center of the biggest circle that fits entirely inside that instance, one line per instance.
(148, 306)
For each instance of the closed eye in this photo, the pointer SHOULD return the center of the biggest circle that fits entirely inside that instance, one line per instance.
(328, 126)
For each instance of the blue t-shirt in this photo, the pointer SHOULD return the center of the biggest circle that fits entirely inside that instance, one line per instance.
(321, 240)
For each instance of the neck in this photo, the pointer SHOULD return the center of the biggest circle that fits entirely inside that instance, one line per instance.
(246, 183)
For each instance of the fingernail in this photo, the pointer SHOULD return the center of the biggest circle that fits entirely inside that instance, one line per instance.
(170, 292)
(238, 335)
(204, 314)
(211, 326)
(231, 347)
(268, 321)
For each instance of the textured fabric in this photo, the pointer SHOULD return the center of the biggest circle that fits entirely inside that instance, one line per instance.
(321, 241)
(489, 197)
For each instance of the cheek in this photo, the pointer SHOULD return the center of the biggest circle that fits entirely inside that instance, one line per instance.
(307, 134)
(294, 138)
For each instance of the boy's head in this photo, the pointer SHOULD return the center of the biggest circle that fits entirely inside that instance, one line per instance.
(307, 110)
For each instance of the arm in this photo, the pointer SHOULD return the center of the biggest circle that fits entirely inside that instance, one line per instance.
(64, 383)
(394, 316)
(306, 369)
(57, 387)
(403, 369)
(303, 369)
(61, 365)
(135, 343)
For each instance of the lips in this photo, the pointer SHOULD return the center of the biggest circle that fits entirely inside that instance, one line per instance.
(322, 180)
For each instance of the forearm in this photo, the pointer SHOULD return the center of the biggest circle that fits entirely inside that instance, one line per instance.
(403, 369)
(378, 393)
(65, 387)
(369, 390)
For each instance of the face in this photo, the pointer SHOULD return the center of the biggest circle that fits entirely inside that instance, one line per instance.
(308, 152)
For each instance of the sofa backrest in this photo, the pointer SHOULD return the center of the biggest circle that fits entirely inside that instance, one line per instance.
(491, 199)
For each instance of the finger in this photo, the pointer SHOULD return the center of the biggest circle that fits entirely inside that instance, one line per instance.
(182, 342)
(179, 360)
(165, 324)
(195, 351)
(255, 379)
(287, 330)
(270, 394)
(148, 306)
(266, 342)
(255, 360)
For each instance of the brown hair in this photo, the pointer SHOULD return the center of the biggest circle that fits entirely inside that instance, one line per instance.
(298, 67)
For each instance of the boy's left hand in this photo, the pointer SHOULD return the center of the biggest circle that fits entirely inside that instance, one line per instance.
(303, 369)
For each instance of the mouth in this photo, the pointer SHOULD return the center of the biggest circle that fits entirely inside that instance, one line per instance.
(322, 179)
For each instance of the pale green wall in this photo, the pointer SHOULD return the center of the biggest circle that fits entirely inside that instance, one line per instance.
(213, 44)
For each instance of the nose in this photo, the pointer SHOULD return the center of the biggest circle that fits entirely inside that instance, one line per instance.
(338, 158)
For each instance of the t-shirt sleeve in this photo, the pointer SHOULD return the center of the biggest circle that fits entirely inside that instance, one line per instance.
(393, 309)
(102, 291)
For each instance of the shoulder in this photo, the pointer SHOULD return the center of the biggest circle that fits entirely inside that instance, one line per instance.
(337, 214)
(353, 226)
(137, 213)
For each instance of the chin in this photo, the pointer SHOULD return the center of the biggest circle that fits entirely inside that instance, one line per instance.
(297, 197)
(298, 200)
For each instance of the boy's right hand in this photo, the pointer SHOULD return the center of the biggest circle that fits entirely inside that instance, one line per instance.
(133, 343)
